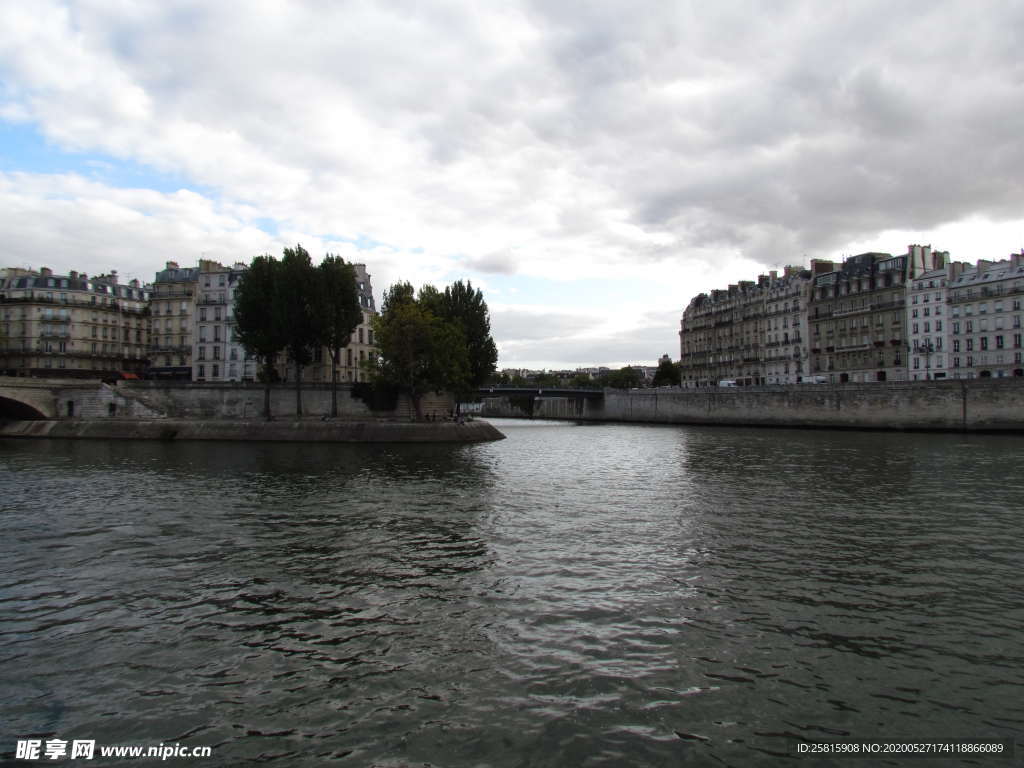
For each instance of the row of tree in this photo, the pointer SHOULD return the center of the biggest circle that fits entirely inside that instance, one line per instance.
(294, 307)
(430, 341)
(668, 374)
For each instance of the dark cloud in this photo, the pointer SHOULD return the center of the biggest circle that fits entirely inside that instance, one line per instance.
(537, 138)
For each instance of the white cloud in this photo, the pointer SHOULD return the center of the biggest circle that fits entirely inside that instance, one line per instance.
(685, 145)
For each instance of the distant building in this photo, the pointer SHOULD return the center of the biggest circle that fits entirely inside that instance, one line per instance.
(173, 305)
(847, 322)
(985, 317)
(751, 333)
(216, 352)
(72, 325)
(857, 320)
(928, 318)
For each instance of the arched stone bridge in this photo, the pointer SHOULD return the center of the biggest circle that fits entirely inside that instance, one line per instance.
(29, 398)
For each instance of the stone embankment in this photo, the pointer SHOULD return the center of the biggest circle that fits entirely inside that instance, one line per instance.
(292, 430)
(979, 405)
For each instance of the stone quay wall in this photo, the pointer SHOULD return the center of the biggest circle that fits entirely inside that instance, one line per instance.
(956, 405)
(150, 399)
(249, 430)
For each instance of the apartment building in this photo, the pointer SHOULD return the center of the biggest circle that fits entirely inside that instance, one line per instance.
(928, 322)
(985, 319)
(785, 350)
(216, 352)
(857, 320)
(172, 305)
(72, 325)
(751, 333)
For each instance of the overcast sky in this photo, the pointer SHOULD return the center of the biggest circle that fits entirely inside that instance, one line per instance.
(590, 165)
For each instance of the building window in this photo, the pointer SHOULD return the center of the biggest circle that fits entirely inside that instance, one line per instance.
(202, 371)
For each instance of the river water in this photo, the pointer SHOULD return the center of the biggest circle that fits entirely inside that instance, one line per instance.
(573, 595)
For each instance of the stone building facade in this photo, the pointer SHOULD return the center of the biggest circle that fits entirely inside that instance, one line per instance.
(832, 323)
(985, 318)
(857, 320)
(217, 355)
(72, 325)
(173, 313)
(751, 333)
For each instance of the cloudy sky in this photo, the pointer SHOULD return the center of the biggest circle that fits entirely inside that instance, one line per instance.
(590, 165)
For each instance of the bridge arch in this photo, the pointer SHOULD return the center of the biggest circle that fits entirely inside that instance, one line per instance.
(18, 410)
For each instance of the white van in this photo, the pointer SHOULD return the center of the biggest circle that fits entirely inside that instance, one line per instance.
(727, 383)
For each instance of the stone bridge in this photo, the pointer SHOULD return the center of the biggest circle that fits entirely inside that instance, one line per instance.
(26, 398)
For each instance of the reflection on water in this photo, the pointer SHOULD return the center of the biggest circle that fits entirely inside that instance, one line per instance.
(593, 595)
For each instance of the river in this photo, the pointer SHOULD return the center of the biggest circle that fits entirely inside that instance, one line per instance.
(597, 595)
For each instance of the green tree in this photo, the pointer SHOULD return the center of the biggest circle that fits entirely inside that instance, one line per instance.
(301, 326)
(419, 351)
(467, 307)
(668, 374)
(581, 381)
(624, 378)
(337, 305)
(258, 317)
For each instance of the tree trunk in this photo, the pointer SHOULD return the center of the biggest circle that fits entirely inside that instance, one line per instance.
(266, 391)
(335, 357)
(298, 390)
(417, 404)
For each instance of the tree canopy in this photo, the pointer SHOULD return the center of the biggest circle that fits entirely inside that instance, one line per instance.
(292, 306)
(668, 374)
(337, 306)
(258, 312)
(433, 340)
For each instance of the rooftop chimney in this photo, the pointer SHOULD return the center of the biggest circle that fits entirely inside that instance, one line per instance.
(45, 271)
(171, 265)
(73, 275)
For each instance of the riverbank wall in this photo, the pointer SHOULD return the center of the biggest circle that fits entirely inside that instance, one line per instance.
(288, 430)
(978, 405)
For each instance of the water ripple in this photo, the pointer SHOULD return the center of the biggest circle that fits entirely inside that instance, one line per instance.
(592, 595)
